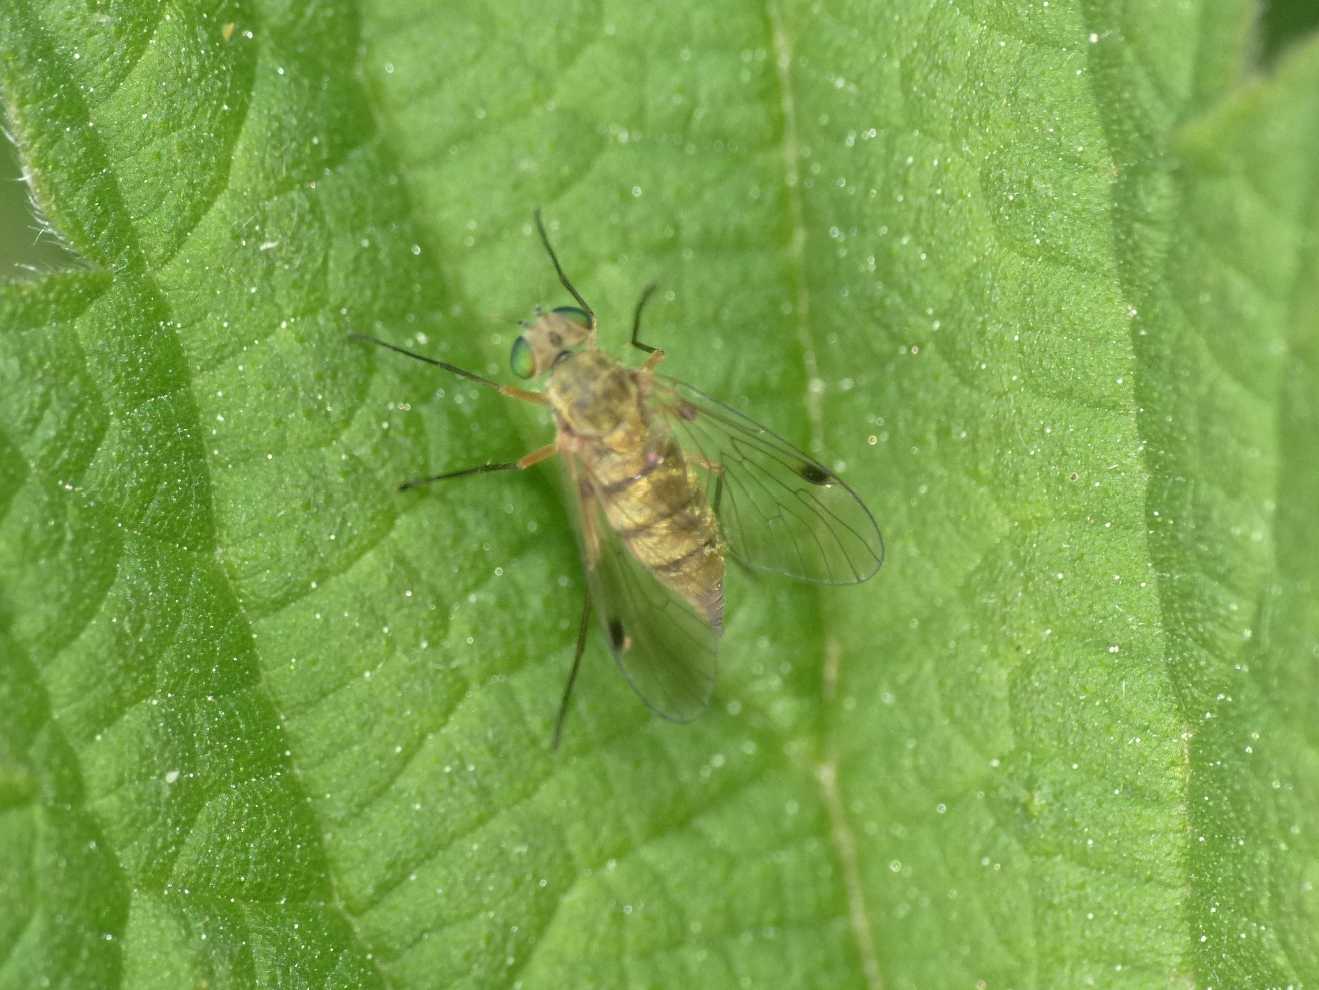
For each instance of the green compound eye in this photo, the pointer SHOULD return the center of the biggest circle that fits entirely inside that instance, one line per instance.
(577, 316)
(521, 360)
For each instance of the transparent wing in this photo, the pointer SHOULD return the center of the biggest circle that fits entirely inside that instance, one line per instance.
(666, 651)
(779, 509)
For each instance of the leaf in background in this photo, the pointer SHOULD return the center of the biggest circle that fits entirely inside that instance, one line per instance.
(1041, 281)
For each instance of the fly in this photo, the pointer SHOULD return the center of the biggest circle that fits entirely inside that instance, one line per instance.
(667, 483)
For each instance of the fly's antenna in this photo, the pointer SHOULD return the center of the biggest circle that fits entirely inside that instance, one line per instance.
(563, 279)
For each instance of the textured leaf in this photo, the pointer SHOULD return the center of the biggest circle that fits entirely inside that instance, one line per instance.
(1040, 280)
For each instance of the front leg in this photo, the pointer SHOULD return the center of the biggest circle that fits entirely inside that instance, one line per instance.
(656, 354)
(521, 464)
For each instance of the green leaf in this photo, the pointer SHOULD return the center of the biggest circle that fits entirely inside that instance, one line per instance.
(1040, 280)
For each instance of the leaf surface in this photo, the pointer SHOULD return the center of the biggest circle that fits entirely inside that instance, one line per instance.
(1040, 282)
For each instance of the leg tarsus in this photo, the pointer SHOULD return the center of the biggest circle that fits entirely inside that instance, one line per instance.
(718, 471)
(572, 674)
(461, 473)
(535, 457)
(646, 293)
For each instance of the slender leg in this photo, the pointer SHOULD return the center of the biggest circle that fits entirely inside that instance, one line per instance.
(572, 674)
(563, 279)
(535, 457)
(718, 470)
(656, 354)
(509, 390)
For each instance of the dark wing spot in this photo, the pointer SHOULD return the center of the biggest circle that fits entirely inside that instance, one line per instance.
(815, 474)
(686, 410)
(556, 339)
(617, 639)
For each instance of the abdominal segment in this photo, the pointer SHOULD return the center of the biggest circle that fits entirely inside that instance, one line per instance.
(658, 509)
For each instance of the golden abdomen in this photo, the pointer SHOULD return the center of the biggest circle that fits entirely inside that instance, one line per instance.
(657, 506)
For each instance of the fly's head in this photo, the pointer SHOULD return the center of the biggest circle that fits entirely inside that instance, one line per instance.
(550, 338)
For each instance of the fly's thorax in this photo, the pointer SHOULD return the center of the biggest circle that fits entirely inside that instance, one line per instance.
(595, 396)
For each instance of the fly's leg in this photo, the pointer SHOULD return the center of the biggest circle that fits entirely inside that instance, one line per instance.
(572, 674)
(717, 470)
(656, 353)
(646, 293)
(714, 468)
(563, 279)
(535, 457)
